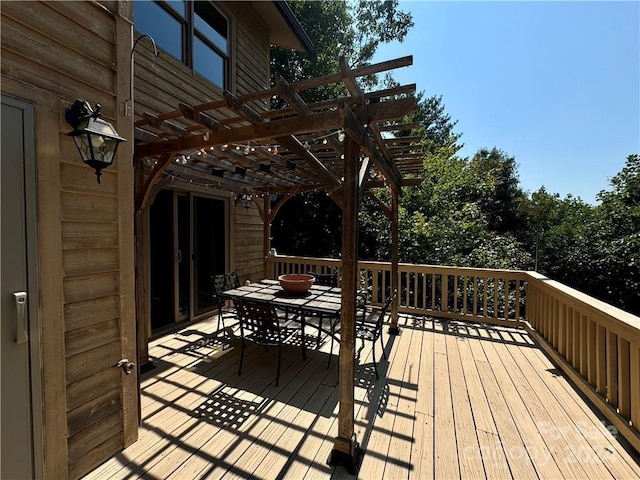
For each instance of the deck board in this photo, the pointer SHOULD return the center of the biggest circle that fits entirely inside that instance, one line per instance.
(454, 400)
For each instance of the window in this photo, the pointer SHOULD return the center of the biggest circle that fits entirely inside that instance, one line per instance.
(196, 33)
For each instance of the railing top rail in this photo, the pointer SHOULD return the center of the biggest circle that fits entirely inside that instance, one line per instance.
(619, 319)
(469, 271)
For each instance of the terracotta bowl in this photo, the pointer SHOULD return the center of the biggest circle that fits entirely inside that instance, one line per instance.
(296, 283)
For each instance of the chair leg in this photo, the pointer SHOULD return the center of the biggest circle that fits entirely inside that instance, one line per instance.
(375, 364)
(241, 356)
(384, 354)
(278, 367)
(331, 349)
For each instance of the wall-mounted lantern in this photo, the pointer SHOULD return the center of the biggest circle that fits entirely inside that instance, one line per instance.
(245, 200)
(96, 140)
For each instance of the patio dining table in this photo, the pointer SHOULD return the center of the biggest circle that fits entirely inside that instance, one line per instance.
(320, 301)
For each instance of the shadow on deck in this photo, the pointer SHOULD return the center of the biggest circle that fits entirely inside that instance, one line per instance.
(453, 400)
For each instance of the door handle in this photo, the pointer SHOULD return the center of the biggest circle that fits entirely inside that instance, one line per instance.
(179, 256)
(21, 317)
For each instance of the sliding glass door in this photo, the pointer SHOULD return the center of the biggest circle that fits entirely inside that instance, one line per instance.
(209, 249)
(188, 246)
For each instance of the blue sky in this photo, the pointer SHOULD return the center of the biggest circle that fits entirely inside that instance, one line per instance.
(554, 84)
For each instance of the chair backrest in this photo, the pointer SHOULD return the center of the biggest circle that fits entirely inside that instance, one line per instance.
(325, 279)
(385, 309)
(219, 284)
(259, 319)
(232, 281)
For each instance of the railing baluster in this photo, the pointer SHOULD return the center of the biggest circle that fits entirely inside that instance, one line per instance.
(475, 296)
(517, 305)
(465, 293)
(601, 361)
(544, 320)
(624, 378)
(562, 320)
(424, 290)
(584, 338)
(455, 293)
(506, 298)
(496, 287)
(433, 292)
(591, 352)
(612, 368)
(374, 291)
(444, 298)
(576, 340)
(485, 295)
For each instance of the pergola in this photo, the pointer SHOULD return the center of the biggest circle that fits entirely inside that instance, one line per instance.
(346, 146)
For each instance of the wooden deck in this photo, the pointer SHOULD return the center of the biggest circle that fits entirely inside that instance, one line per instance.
(454, 400)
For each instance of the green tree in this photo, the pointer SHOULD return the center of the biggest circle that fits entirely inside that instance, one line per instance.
(617, 233)
(595, 249)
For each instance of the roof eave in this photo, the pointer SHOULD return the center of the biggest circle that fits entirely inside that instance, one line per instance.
(285, 29)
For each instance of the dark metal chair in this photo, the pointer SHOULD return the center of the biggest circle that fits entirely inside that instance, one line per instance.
(260, 324)
(326, 280)
(369, 325)
(221, 283)
(219, 286)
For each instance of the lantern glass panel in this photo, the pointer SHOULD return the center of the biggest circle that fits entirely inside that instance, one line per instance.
(84, 146)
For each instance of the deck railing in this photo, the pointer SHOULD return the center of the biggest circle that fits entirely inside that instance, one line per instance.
(599, 343)
(475, 294)
(596, 344)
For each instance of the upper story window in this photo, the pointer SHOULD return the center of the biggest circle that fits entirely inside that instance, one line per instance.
(196, 33)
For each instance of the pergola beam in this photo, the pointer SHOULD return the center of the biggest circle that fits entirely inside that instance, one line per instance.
(320, 121)
(267, 130)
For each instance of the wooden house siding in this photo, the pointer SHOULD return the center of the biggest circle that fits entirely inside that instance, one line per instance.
(53, 53)
(249, 257)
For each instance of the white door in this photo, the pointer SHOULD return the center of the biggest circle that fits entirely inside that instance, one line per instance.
(17, 289)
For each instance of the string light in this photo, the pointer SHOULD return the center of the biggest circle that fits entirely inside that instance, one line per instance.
(247, 148)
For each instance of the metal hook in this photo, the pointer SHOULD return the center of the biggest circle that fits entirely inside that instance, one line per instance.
(135, 44)
(153, 42)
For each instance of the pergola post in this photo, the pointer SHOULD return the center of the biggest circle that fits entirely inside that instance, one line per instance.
(393, 327)
(345, 446)
(266, 236)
